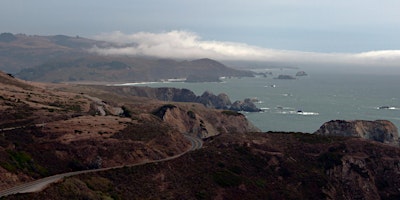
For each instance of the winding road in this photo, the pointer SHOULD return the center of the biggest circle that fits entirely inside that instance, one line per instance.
(40, 184)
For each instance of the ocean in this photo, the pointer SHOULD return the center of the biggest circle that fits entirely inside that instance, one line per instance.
(304, 104)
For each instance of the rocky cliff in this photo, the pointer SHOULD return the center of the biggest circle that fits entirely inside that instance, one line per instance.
(380, 130)
(208, 99)
(246, 105)
(199, 121)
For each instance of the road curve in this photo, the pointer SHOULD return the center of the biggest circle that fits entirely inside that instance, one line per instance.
(40, 184)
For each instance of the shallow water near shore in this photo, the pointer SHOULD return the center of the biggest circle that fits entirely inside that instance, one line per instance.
(304, 104)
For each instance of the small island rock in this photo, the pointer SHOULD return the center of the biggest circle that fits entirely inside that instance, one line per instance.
(285, 77)
(301, 73)
(247, 105)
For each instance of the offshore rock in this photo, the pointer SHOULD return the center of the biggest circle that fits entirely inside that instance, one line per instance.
(210, 100)
(247, 105)
(285, 77)
(380, 130)
(301, 73)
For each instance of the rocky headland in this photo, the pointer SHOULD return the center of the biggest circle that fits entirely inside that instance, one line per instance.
(380, 130)
(208, 99)
(301, 73)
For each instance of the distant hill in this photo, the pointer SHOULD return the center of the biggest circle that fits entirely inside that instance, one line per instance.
(64, 58)
(21, 51)
(125, 69)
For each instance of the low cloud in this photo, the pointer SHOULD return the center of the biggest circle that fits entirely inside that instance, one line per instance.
(189, 45)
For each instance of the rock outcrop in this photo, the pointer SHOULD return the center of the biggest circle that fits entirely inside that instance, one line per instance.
(246, 105)
(204, 123)
(301, 73)
(208, 99)
(211, 100)
(285, 77)
(380, 130)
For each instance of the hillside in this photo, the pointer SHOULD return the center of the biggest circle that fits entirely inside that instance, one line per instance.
(251, 166)
(21, 51)
(124, 69)
(68, 59)
(49, 128)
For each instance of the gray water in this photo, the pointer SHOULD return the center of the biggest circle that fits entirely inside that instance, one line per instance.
(320, 98)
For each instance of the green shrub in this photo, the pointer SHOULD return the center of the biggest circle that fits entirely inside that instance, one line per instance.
(23, 161)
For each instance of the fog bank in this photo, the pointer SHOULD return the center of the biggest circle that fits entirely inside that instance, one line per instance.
(180, 44)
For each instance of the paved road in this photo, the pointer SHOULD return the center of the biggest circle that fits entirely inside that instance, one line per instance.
(38, 185)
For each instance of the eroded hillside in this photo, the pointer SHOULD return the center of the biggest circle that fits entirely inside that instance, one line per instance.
(49, 129)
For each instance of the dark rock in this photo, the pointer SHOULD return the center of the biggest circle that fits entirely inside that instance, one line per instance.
(301, 73)
(246, 105)
(210, 100)
(175, 94)
(383, 107)
(160, 112)
(380, 130)
(285, 77)
(387, 108)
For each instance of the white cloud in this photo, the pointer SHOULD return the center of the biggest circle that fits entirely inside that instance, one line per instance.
(189, 45)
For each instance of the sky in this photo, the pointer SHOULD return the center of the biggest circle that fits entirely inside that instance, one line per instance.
(260, 29)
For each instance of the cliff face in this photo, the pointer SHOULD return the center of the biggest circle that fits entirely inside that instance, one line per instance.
(202, 122)
(208, 99)
(380, 130)
(246, 105)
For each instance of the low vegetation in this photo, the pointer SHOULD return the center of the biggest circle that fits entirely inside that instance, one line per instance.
(20, 161)
(252, 166)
